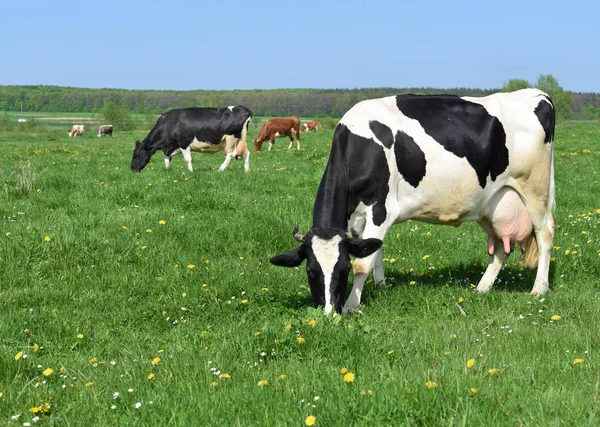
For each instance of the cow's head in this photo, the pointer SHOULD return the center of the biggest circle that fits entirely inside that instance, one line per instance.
(327, 254)
(141, 157)
(257, 145)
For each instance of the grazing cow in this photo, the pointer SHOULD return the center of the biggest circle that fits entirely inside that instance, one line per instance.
(282, 126)
(207, 130)
(105, 130)
(77, 130)
(314, 125)
(439, 159)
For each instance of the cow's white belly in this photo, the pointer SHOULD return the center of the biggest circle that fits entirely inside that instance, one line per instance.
(207, 147)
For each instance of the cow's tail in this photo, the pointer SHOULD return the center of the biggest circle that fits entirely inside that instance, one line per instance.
(242, 145)
(531, 255)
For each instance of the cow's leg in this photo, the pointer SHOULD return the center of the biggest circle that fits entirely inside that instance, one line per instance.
(363, 266)
(187, 156)
(496, 261)
(167, 161)
(291, 141)
(543, 236)
(230, 142)
(271, 142)
(246, 157)
(378, 274)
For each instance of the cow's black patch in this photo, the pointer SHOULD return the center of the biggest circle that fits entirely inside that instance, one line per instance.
(410, 159)
(382, 132)
(357, 171)
(545, 114)
(463, 128)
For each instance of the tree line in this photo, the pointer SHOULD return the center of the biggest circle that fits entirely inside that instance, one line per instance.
(275, 102)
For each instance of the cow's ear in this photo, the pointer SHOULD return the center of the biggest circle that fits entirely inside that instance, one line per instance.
(361, 248)
(291, 258)
(137, 144)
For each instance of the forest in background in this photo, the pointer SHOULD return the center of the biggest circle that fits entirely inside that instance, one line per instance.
(274, 102)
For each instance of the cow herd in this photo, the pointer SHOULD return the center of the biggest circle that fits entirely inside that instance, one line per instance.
(440, 159)
(79, 130)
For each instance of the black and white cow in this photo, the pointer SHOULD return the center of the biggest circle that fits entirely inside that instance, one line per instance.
(207, 130)
(439, 159)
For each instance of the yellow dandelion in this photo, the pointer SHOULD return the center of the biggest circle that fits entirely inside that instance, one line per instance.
(1, 395)
(470, 363)
(88, 384)
(92, 360)
(162, 222)
(426, 256)
(412, 282)
(160, 351)
(124, 227)
(447, 353)
(431, 384)
(452, 336)
(206, 261)
(310, 420)
(344, 371)
(225, 376)
(204, 285)
(148, 230)
(577, 361)
(393, 261)
(80, 336)
(493, 371)
(184, 294)
(473, 390)
(349, 377)
(312, 323)
(257, 333)
(262, 383)
(35, 409)
(156, 361)
(47, 238)
(151, 376)
(390, 352)
(282, 377)
(461, 299)
(265, 289)
(144, 247)
(47, 372)
(18, 355)
(300, 340)
(7, 233)
(555, 317)
(190, 266)
(288, 326)
(244, 301)
(213, 384)
(36, 347)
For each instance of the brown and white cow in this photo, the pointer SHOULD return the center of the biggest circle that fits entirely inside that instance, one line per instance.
(105, 130)
(281, 126)
(313, 125)
(77, 130)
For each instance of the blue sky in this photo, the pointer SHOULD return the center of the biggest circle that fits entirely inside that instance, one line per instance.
(234, 44)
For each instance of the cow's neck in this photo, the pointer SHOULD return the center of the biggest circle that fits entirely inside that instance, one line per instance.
(331, 204)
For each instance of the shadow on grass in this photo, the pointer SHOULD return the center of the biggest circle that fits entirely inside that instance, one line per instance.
(458, 276)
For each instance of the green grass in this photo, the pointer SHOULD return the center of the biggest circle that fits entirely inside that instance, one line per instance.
(85, 253)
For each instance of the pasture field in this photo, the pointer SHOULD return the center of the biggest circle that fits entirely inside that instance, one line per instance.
(149, 299)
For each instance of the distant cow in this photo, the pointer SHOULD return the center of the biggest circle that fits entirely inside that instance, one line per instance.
(207, 130)
(439, 159)
(282, 126)
(105, 130)
(77, 130)
(314, 125)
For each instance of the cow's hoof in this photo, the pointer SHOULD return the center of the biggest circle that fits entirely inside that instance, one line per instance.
(347, 311)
